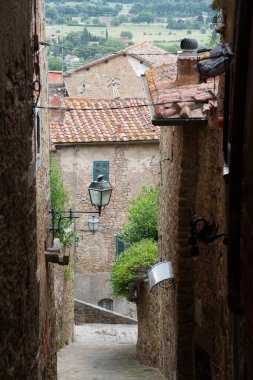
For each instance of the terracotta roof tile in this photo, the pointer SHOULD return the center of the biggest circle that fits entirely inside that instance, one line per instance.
(152, 55)
(173, 101)
(101, 119)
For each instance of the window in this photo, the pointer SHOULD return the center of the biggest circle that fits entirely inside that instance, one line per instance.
(101, 167)
(106, 303)
(120, 245)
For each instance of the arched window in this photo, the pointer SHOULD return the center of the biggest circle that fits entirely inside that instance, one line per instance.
(106, 303)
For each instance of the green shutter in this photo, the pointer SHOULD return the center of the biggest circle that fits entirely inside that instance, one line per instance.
(101, 167)
(120, 245)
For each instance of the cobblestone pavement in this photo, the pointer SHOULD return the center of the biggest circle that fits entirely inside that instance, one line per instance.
(103, 352)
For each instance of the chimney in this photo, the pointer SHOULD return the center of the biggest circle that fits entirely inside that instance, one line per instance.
(56, 113)
(187, 68)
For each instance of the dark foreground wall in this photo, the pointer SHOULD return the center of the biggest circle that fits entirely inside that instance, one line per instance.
(18, 281)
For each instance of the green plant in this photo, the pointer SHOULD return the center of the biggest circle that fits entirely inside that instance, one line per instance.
(59, 201)
(143, 217)
(130, 268)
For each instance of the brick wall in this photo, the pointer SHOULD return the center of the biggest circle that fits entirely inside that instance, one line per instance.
(196, 311)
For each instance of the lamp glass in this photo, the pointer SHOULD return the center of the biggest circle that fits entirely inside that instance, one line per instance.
(100, 192)
(93, 223)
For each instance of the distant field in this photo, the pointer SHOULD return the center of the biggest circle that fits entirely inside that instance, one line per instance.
(152, 33)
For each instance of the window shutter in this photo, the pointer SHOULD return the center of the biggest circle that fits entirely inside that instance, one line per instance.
(101, 167)
(120, 245)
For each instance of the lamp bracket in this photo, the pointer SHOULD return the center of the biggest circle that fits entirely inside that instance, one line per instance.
(59, 215)
(205, 231)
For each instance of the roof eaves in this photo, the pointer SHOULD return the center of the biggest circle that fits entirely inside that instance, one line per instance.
(129, 142)
(173, 122)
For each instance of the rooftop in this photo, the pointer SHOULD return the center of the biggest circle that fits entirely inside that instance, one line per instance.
(104, 121)
(172, 101)
(145, 52)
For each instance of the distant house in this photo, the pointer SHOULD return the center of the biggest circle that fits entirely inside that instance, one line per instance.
(114, 138)
(56, 85)
(93, 80)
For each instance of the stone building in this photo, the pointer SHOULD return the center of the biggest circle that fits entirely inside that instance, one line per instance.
(117, 139)
(117, 75)
(202, 328)
(27, 338)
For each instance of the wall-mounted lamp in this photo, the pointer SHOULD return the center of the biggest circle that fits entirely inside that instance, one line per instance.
(204, 231)
(93, 224)
(161, 274)
(100, 193)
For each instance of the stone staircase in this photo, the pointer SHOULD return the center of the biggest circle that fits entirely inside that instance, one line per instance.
(89, 313)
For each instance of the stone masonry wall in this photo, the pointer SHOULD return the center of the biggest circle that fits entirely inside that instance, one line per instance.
(26, 334)
(88, 313)
(196, 311)
(156, 310)
(96, 80)
(131, 167)
(18, 281)
(64, 301)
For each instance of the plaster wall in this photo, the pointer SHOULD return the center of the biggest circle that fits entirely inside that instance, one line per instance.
(93, 81)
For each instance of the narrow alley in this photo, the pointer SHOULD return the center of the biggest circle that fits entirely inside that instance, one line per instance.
(102, 352)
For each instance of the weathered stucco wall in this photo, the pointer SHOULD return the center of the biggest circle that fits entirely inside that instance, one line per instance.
(131, 167)
(173, 324)
(93, 82)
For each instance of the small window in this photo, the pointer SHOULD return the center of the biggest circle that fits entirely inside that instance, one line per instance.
(101, 167)
(120, 245)
(106, 303)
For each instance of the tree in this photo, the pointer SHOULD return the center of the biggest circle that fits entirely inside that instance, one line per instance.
(143, 17)
(54, 63)
(126, 33)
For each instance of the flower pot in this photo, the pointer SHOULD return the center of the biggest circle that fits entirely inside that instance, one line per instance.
(159, 272)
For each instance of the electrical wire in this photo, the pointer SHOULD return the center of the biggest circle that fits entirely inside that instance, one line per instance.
(123, 107)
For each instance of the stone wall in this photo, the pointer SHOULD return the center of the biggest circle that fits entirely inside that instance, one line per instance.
(88, 313)
(64, 301)
(93, 81)
(26, 316)
(194, 314)
(131, 167)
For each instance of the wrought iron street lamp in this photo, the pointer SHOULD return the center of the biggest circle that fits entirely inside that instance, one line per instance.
(100, 193)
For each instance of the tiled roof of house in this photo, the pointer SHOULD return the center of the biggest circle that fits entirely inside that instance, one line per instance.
(144, 52)
(172, 101)
(150, 54)
(55, 77)
(104, 121)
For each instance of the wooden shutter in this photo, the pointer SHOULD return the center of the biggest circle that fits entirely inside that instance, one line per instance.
(101, 167)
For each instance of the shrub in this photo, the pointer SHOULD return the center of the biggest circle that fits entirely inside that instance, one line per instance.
(59, 201)
(143, 217)
(130, 268)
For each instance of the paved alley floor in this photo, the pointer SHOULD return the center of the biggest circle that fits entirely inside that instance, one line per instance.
(103, 352)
